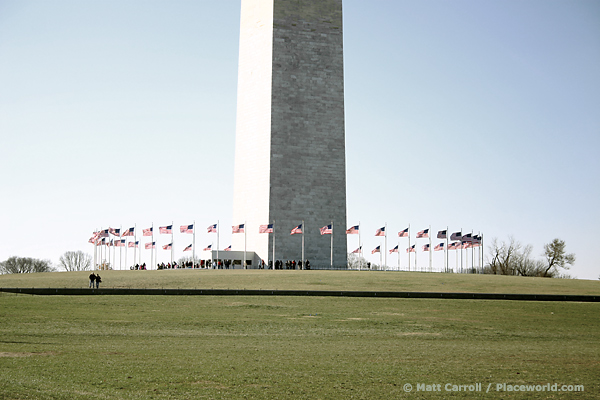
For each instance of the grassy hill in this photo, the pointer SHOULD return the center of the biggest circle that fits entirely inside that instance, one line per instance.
(309, 280)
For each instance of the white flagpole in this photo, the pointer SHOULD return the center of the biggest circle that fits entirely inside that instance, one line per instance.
(134, 242)
(331, 247)
(359, 249)
(152, 247)
(461, 251)
(430, 250)
(408, 248)
(172, 243)
(303, 229)
(385, 240)
(121, 248)
(447, 250)
(273, 261)
(194, 244)
(218, 229)
(245, 244)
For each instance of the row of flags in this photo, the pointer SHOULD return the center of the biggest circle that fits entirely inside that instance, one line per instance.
(460, 241)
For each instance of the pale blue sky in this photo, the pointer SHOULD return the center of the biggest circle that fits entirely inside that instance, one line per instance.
(469, 114)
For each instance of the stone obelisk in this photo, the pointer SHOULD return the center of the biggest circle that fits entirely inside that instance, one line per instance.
(290, 163)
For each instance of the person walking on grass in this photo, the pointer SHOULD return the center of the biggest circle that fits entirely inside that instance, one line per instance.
(98, 280)
(92, 279)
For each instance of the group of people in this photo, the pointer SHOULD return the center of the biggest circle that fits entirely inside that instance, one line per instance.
(289, 264)
(95, 279)
(222, 264)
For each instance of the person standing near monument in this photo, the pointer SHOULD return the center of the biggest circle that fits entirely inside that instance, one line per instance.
(92, 279)
(98, 280)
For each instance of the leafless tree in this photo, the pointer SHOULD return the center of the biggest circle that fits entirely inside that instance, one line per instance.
(75, 261)
(356, 262)
(22, 265)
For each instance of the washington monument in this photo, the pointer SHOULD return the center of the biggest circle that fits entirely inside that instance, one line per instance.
(290, 163)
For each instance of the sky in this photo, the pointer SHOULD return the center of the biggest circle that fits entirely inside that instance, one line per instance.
(467, 115)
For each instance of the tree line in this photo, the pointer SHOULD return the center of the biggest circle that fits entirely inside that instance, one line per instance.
(512, 258)
(69, 261)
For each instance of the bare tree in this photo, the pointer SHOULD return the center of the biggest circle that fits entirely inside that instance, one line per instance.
(512, 258)
(356, 262)
(75, 261)
(23, 265)
(556, 258)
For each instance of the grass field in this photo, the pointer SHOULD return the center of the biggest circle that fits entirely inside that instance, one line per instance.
(309, 280)
(180, 347)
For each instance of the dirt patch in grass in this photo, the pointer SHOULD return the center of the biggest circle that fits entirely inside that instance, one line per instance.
(26, 354)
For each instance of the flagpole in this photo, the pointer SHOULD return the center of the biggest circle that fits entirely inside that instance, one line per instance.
(172, 244)
(303, 229)
(408, 248)
(430, 250)
(134, 242)
(447, 249)
(218, 229)
(461, 251)
(245, 245)
(152, 247)
(194, 244)
(120, 248)
(331, 247)
(398, 253)
(385, 240)
(273, 261)
(359, 249)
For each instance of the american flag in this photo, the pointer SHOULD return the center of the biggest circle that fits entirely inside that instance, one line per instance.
(442, 234)
(109, 244)
(456, 235)
(147, 232)
(353, 230)
(120, 243)
(380, 231)
(128, 232)
(208, 248)
(189, 248)
(467, 238)
(150, 245)
(411, 249)
(376, 250)
(423, 234)
(104, 233)
(454, 246)
(186, 229)
(296, 230)
(466, 245)
(327, 230)
(114, 232)
(134, 244)
(102, 241)
(403, 233)
(228, 248)
(212, 228)
(426, 247)
(168, 246)
(265, 228)
(394, 250)
(237, 228)
(166, 229)
(357, 250)
(439, 247)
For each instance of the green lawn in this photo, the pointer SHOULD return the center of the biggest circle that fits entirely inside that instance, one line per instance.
(204, 347)
(307, 280)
